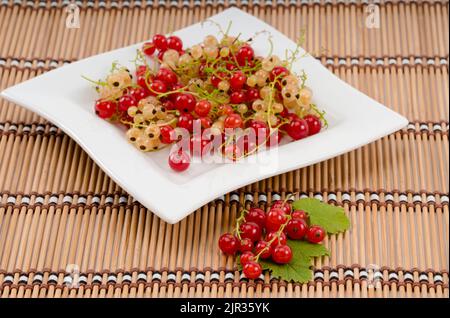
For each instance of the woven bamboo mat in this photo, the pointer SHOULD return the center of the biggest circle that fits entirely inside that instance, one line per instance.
(63, 221)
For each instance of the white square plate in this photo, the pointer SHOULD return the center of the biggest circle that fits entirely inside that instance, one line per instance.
(64, 98)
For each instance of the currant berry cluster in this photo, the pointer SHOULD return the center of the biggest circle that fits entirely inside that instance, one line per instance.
(259, 235)
(220, 86)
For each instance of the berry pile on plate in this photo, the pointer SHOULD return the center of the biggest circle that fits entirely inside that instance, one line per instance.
(214, 98)
(261, 236)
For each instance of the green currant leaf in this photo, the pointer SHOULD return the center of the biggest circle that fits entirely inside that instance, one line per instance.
(331, 218)
(299, 268)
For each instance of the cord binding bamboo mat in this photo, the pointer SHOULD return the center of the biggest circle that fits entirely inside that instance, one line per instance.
(67, 230)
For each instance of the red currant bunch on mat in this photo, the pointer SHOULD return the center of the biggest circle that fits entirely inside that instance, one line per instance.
(264, 235)
(224, 87)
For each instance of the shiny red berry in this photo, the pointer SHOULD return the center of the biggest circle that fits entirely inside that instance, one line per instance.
(300, 214)
(228, 243)
(205, 122)
(274, 219)
(237, 80)
(257, 216)
(297, 129)
(278, 72)
(167, 76)
(277, 239)
(252, 270)
(126, 101)
(138, 93)
(285, 206)
(105, 109)
(233, 121)
(251, 231)
(174, 43)
(296, 229)
(185, 102)
(167, 134)
(186, 121)
(252, 95)
(263, 248)
(179, 160)
(314, 124)
(245, 245)
(237, 97)
(217, 78)
(202, 108)
(282, 254)
(315, 234)
(157, 87)
(244, 55)
(246, 257)
(160, 42)
(141, 70)
(149, 48)
(198, 145)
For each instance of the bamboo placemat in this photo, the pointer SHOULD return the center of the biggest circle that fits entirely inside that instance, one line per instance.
(63, 221)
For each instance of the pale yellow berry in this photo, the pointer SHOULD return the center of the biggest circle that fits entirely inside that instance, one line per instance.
(224, 52)
(152, 131)
(195, 84)
(132, 111)
(139, 119)
(265, 92)
(184, 60)
(210, 40)
(217, 127)
(144, 143)
(289, 93)
(211, 52)
(251, 81)
(228, 40)
(133, 134)
(277, 108)
(291, 104)
(108, 92)
(161, 112)
(267, 64)
(242, 108)
(223, 86)
(289, 80)
(305, 96)
(260, 116)
(171, 57)
(259, 105)
(196, 52)
(261, 77)
(149, 111)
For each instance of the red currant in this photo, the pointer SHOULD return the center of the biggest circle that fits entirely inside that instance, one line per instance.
(138, 93)
(251, 231)
(125, 102)
(300, 214)
(245, 245)
(257, 216)
(167, 76)
(314, 124)
(285, 206)
(232, 152)
(185, 121)
(225, 110)
(157, 87)
(160, 42)
(274, 219)
(252, 95)
(228, 243)
(198, 145)
(284, 113)
(149, 48)
(205, 122)
(217, 78)
(167, 134)
(244, 55)
(174, 43)
(233, 121)
(185, 103)
(277, 239)
(179, 160)
(278, 72)
(202, 108)
(315, 234)
(141, 70)
(237, 80)
(246, 257)
(282, 254)
(252, 270)
(263, 249)
(169, 105)
(105, 109)
(237, 97)
(297, 129)
(296, 229)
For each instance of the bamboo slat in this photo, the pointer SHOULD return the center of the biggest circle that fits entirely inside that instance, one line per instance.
(67, 230)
